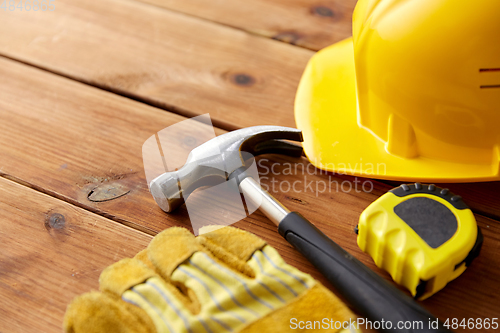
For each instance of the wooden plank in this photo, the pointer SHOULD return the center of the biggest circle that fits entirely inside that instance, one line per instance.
(50, 252)
(66, 139)
(336, 212)
(309, 24)
(167, 59)
(176, 62)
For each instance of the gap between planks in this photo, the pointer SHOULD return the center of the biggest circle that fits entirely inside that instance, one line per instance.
(52, 252)
(306, 24)
(123, 93)
(112, 129)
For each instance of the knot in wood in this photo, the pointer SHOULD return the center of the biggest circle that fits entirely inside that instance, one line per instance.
(242, 79)
(55, 221)
(323, 11)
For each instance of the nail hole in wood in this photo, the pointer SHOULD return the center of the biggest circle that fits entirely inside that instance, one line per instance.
(297, 200)
(55, 221)
(289, 37)
(323, 11)
(242, 79)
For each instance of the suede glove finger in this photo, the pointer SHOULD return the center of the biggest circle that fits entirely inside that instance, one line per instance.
(227, 280)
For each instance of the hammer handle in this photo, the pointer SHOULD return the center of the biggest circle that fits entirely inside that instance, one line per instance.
(370, 294)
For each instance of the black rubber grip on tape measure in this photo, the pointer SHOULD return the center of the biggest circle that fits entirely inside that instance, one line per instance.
(407, 189)
(371, 295)
(430, 219)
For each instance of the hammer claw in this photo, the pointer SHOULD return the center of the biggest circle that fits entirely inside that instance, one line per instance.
(277, 147)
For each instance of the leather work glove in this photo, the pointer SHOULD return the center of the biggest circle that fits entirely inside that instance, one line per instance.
(227, 280)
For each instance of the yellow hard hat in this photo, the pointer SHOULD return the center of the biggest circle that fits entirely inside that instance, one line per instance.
(414, 95)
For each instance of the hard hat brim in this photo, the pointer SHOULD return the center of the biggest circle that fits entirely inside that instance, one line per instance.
(326, 112)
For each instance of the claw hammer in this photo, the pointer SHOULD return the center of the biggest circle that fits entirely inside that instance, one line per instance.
(227, 157)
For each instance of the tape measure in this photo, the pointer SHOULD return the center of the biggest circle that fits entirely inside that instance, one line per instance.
(422, 235)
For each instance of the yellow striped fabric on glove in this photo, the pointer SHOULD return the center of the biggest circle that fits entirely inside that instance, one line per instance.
(227, 280)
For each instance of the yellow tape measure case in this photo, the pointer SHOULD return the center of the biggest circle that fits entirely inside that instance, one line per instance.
(424, 236)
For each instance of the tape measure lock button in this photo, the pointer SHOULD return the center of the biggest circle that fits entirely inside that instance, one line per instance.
(422, 235)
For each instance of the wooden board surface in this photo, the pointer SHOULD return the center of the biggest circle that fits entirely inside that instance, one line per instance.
(310, 24)
(50, 252)
(176, 62)
(81, 138)
(161, 57)
(68, 140)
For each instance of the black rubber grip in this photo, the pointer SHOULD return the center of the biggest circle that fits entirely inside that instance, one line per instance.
(371, 295)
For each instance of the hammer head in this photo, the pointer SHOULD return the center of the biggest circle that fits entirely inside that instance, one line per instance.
(214, 161)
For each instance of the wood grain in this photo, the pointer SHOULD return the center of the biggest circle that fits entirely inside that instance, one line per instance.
(50, 252)
(163, 58)
(178, 63)
(65, 138)
(310, 24)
